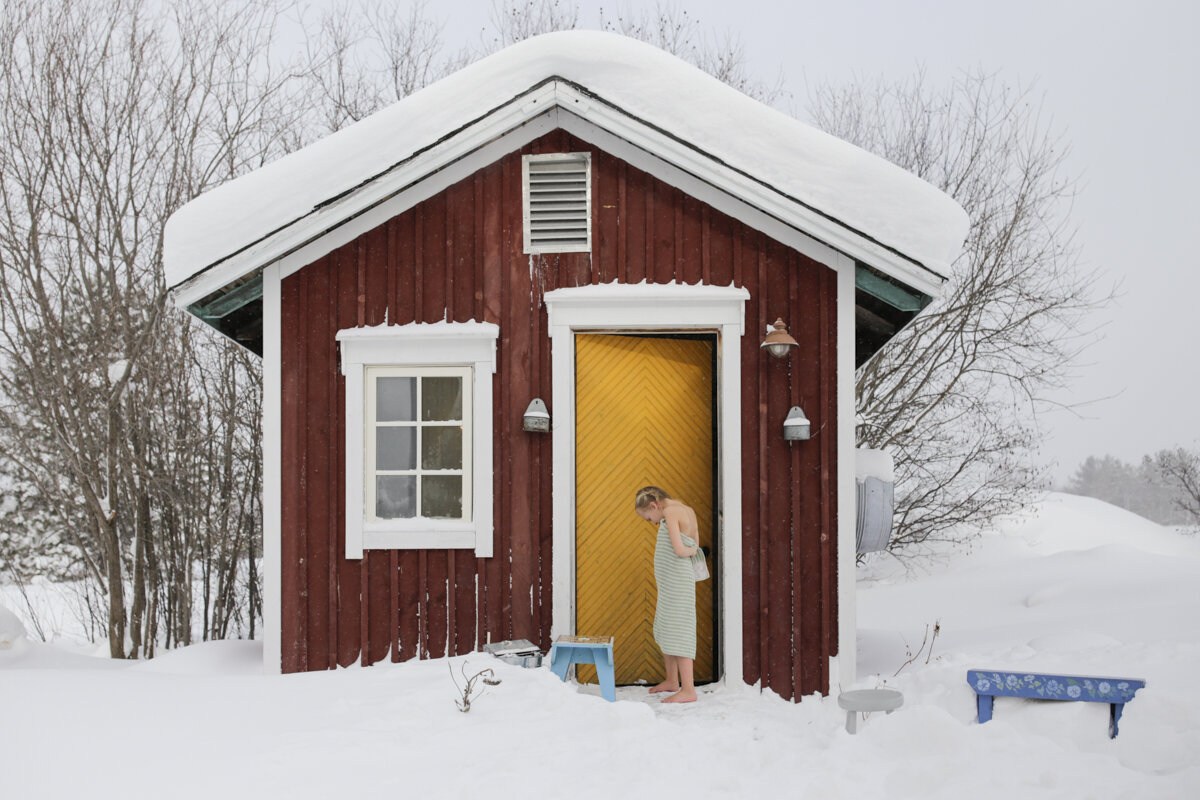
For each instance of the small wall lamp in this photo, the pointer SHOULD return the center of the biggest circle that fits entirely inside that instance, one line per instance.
(537, 418)
(778, 342)
(796, 427)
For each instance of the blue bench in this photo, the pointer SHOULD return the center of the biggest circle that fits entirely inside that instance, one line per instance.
(990, 684)
(598, 650)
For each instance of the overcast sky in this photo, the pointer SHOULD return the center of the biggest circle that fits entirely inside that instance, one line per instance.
(1121, 82)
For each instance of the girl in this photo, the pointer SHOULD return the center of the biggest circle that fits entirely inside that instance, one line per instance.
(675, 613)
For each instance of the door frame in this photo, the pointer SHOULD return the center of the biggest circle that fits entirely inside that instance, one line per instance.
(711, 609)
(652, 308)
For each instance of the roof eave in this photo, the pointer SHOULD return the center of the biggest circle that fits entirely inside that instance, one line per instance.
(547, 95)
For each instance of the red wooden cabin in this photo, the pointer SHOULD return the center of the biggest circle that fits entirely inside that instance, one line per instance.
(584, 220)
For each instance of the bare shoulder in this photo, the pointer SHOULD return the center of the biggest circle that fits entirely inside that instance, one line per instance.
(683, 515)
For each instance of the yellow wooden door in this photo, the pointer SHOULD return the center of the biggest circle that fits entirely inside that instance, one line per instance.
(643, 416)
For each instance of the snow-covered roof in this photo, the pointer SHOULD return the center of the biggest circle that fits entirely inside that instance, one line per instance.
(858, 203)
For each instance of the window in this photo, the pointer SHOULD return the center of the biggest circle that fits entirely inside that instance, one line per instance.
(558, 202)
(419, 443)
(419, 436)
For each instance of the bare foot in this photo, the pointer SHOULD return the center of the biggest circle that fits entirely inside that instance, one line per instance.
(685, 696)
(665, 687)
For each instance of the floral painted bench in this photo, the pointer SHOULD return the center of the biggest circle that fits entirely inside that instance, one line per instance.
(990, 684)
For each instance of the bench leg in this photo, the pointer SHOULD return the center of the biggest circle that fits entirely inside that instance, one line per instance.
(607, 677)
(983, 706)
(1114, 716)
(560, 662)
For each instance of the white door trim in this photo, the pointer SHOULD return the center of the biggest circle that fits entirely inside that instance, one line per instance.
(651, 307)
(272, 477)
(845, 674)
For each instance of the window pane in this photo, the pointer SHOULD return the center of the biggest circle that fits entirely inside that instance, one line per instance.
(395, 496)
(395, 399)
(441, 447)
(395, 448)
(441, 399)
(441, 496)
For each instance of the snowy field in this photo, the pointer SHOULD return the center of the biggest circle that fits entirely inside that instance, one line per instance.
(1080, 587)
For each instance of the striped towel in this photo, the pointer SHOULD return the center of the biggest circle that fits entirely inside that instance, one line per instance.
(675, 612)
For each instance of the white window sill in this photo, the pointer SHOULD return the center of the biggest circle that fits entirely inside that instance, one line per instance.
(426, 539)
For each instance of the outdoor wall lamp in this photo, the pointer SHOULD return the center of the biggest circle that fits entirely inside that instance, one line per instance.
(537, 418)
(778, 342)
(796, 427)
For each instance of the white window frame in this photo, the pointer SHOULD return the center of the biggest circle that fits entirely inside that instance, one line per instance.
(463, 348)
(531, 248)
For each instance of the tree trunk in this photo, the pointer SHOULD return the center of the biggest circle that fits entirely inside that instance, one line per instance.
(151, 629)
(107, 532)
(142, 531)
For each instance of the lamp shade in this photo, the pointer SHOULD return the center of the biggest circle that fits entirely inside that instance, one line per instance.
(779, 341)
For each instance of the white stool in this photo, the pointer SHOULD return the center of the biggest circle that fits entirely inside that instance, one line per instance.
(868, 700)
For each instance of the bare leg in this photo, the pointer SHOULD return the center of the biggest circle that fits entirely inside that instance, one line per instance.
(671, 682)
(687, 694)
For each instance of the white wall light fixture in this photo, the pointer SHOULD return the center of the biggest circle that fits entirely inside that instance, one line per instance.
(779, 342)
(796, 427)
(537, 418)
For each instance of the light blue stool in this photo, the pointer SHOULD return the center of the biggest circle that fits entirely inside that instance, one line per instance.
(598, 650)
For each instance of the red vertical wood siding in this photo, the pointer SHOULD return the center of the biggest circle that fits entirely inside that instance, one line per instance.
(459, 256)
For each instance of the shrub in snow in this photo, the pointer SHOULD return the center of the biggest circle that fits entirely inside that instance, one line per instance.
(488, 676)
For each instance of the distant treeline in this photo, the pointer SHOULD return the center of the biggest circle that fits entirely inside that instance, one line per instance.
(1162, 488)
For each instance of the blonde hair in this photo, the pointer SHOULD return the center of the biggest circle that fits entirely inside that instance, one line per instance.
(649, 494)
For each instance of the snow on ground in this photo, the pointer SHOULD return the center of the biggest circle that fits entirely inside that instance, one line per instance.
(1081, 587)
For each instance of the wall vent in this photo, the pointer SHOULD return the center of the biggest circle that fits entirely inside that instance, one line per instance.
(558, 202)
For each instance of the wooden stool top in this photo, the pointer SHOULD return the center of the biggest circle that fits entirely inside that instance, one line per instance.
(586, 641)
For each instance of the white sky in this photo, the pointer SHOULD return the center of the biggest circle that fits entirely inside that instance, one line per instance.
(1122, 84)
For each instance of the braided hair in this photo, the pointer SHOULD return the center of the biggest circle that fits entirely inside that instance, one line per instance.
(649, 494)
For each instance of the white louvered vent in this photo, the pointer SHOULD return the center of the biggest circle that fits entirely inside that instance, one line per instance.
(558, 203)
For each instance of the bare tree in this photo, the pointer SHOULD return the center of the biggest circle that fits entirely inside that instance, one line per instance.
(669, 27)
(112, 115)
(129, 433)
(362, 61)
(410, 46)
(1179, 469)
(513, 22)
(955, 396)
